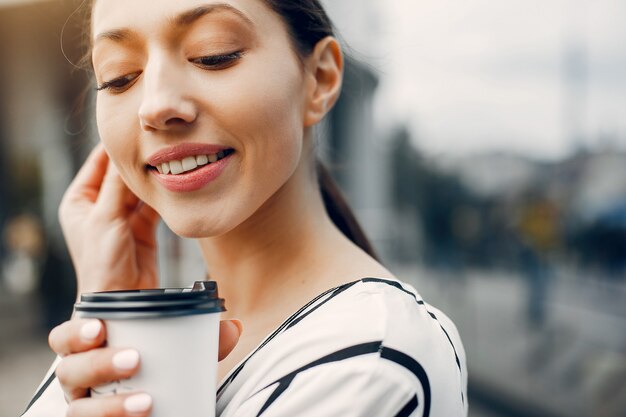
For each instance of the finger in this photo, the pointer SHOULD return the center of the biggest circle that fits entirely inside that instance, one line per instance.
(135, 405)
(89, 178)
(115, 198)
(144, 222)
(77, 335)
(230, 331)
(95, 367)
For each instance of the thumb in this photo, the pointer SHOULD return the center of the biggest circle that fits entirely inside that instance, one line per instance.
(230, 330)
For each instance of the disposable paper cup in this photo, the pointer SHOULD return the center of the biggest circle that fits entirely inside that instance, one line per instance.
(175, 331)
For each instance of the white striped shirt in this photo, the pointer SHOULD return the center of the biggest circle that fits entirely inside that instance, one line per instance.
(371, 347)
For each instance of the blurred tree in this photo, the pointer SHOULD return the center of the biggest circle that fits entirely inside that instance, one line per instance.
(448, 213)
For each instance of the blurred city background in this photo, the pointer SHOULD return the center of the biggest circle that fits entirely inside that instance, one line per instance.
(482, 144)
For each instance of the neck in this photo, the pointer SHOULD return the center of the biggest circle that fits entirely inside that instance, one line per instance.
(273, 254)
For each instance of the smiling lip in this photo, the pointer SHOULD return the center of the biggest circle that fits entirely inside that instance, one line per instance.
(182, 151)
(190, 180)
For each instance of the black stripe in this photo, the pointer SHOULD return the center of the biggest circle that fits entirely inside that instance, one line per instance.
(280, 328)
(287, 324)
(283, 384)
(357, 350)
(412, 365)
(396, 285)
(40, 392)
(349, 352)
(335, 293)
(298, 316)
(420, 302)
(408, 408)
(456, 357)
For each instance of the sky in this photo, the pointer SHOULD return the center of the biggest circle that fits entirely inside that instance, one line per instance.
(473, 76)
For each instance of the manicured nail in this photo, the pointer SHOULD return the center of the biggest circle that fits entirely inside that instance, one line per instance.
(126, 359)
(138, 403)
(239, 324)
(90, 330)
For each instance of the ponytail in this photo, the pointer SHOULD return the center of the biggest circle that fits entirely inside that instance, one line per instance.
(339, 211)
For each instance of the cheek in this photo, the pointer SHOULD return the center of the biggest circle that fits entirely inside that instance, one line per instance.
(274, 132)
(112, 124)
(263, 109)
(118, 132)
(260, 114)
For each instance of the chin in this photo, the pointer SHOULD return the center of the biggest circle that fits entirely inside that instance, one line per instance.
(188, 228)
(192, 227)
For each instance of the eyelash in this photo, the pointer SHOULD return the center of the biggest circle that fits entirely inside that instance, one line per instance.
(218, 61)
(214, 62)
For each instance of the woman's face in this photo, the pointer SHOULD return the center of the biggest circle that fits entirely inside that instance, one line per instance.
(200, 106)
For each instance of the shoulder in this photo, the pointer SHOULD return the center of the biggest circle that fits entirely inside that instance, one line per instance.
(375, 309)
(415, 335)
(407, 322)
(375, 329)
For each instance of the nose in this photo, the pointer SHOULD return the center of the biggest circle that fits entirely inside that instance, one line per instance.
(165, 105)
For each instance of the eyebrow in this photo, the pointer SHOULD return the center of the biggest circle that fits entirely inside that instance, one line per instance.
(181, 20)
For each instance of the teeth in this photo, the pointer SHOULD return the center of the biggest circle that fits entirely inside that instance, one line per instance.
(176, 167)
(202, 159)
(188, 164)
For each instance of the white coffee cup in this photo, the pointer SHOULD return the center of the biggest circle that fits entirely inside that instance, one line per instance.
(175, 331)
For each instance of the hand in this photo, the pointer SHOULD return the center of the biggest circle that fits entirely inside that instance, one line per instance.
(86, 362)
(110, 233)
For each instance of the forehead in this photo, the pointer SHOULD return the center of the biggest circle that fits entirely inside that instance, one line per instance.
(150, 16)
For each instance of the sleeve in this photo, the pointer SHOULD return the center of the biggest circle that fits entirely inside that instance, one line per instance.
(358, 387)
(49, 400)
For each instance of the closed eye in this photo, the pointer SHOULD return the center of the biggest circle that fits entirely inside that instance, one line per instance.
(119, 84)
(217, 62)
(214, 62)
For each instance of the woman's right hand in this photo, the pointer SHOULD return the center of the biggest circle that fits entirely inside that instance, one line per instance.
(86, 362)
(110, 233)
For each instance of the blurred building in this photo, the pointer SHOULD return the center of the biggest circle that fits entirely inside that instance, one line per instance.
(353, 140)
(39, 133)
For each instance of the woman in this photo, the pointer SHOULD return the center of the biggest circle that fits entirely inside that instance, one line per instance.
(206, 110)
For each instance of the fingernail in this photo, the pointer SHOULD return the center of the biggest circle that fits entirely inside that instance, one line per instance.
(126, 359)
(138, 403)
(90, 330)
(238, 324)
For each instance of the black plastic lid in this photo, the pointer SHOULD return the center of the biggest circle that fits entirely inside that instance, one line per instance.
(162, 302)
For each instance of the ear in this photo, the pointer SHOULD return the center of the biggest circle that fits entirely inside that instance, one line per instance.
(325, 75)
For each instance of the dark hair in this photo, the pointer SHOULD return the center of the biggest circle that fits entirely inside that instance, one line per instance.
(308, 23)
